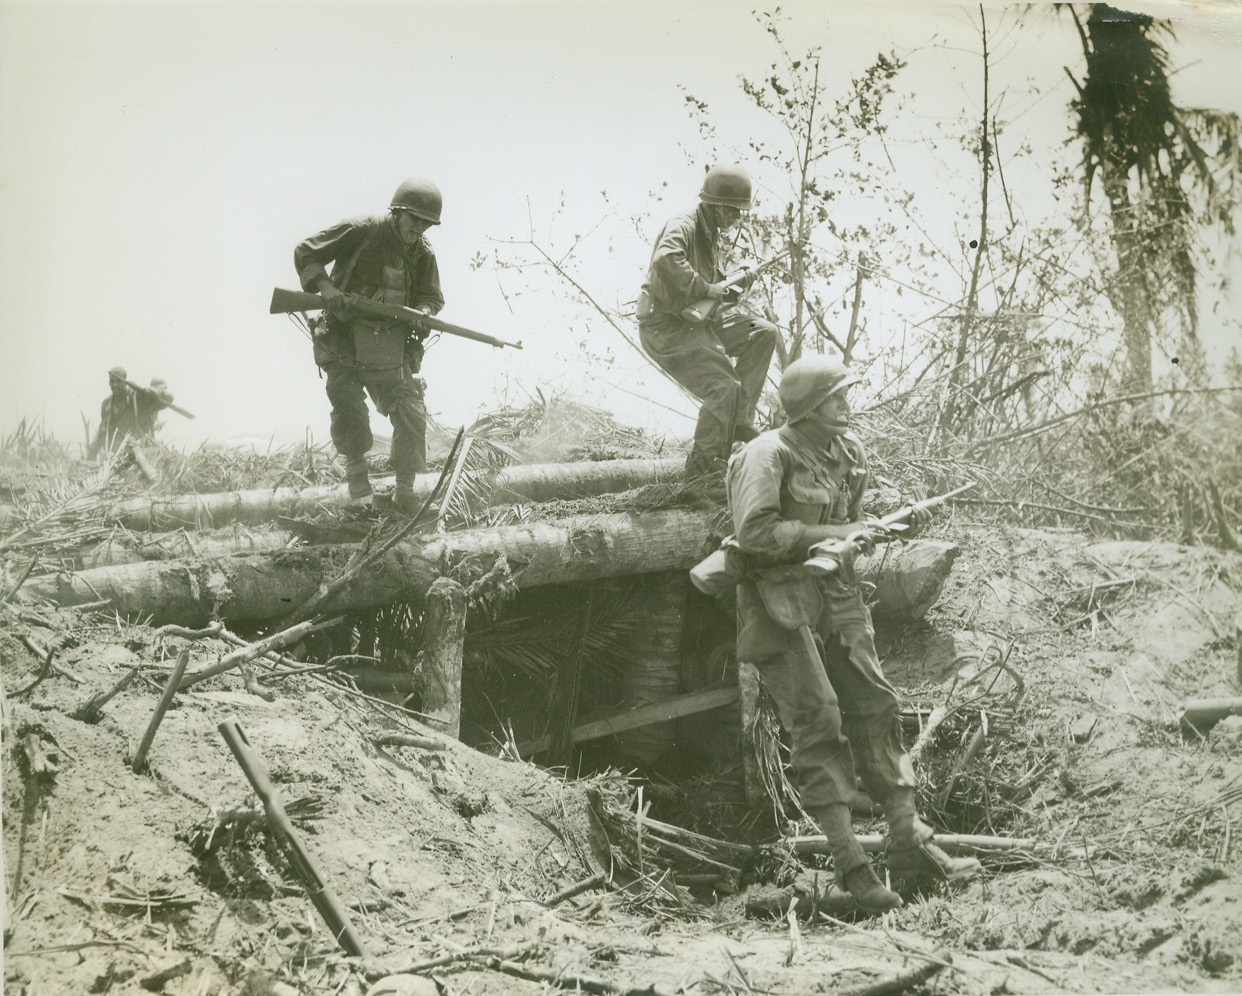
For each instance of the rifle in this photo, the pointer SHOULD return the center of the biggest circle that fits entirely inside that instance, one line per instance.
(702, 310)
(150, 390)
(286, 301)
(826, 556)
(304, 866)
(726, 567)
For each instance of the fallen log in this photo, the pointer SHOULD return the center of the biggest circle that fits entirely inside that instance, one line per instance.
(522, 483)
(264, 586)
(1200, 715)
(561, 551)
(133, 548)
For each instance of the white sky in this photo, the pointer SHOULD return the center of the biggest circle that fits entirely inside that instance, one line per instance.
(158, 163)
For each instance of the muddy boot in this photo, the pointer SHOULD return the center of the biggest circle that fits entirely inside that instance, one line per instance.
(403, 499)
(924, 864)
(852, 870)
(356, 473)
(868, 891)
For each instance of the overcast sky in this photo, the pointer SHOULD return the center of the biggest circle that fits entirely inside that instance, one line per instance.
(160, 161)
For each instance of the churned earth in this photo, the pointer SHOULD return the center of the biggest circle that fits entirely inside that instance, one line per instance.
(1077, 655)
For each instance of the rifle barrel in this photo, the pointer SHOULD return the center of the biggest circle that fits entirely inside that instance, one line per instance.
(286, 301)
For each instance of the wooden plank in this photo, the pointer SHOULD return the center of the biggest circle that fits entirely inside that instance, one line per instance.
(655, 712)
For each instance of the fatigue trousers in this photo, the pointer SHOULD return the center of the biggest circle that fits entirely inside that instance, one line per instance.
(837, 713)
(724, 365)
(396, 391)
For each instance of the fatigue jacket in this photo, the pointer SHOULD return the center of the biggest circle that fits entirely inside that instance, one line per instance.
(784, 481)
(683, 264)
(369, 259)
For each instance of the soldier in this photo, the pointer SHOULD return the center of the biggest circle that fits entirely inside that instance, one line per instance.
(117, 415)
(790, 488)
(723, 360)
(148, 403)
(386, 258)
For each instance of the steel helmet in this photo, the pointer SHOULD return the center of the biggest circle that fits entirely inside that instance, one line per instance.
(117, 373)
(807, 381)
(728, 185)
(420, 197)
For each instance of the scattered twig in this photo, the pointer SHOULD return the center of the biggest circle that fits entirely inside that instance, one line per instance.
(238, 657)
(170, 689)
(20, 581)
(594, 882)
(90, 710)
(44, 669)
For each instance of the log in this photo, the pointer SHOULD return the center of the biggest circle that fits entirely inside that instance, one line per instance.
(264, 586)
(526, 482)
(444, 630)
(570, 550)
(133, 548)
(1200, 715)
(653, 670)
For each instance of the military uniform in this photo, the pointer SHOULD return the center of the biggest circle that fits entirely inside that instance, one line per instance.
(360, 353)
(701, 356)
(845, 711)
(789, 489)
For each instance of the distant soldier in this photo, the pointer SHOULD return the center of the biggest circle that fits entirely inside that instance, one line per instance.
(129, 411)
(117, 415)
(722, 360)
(148, 404)
(386, 258)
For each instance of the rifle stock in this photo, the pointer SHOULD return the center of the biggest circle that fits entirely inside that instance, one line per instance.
(303, 864)
(287, 301)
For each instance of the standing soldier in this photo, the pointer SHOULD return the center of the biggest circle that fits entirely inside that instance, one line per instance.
(117, 414)
(701, 355)
(385, 258)
(789, 489)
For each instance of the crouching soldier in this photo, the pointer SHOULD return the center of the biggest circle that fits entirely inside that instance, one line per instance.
(788, 489)
(385, 258)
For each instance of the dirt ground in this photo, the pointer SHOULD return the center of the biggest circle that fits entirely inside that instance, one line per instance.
(119, 882)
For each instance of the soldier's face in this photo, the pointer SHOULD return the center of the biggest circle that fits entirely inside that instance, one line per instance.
(118, 386)
(410, 227)
(832, 415)
(726, 217)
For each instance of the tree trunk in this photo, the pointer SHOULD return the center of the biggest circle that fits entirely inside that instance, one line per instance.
(527, 482)
(653, 672)
(268, 585)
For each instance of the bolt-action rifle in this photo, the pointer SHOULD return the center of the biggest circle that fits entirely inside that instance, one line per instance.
(727, 566)
(287, 301)
(702, 310)
(317, 888)
(163, 404)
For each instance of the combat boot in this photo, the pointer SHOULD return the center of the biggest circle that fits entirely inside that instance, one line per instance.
(924, 863)
(356, 474)
(403, 499)
(868, 891)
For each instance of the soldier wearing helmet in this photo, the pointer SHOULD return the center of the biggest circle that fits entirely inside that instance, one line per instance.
(129, 410)
(389, 259)
(724, 360)
(791, 488)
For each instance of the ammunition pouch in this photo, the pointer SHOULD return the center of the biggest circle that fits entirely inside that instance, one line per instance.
(721, 570)
(791, 595)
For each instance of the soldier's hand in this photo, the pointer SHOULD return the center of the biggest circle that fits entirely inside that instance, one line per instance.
(717, 290)
(333, 297)
(747, 280)
(863, 539)
(421, 328)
